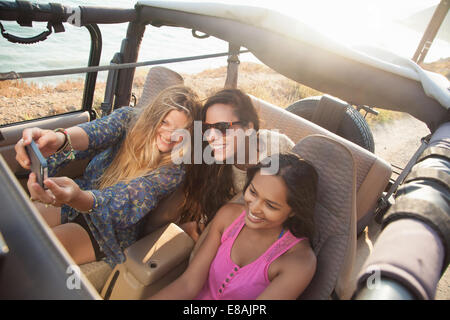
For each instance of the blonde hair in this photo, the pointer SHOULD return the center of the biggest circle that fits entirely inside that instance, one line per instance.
(139, 154)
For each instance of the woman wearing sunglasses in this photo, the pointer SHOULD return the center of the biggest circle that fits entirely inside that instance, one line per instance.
(235, 141)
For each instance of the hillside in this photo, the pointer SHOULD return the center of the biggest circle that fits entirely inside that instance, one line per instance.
(20, 100)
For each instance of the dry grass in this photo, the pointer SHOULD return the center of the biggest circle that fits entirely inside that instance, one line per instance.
(255, 79)
(382, 117)
(18, 88)
(20, 100)
(441, 66)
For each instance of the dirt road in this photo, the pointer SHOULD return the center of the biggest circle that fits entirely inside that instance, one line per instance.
(396, 142)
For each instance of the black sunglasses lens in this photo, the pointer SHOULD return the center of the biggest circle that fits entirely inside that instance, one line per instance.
(221, 126)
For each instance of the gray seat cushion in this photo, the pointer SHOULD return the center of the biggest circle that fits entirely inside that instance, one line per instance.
(334, 241)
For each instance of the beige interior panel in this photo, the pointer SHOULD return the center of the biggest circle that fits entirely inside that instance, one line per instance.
(152, 263)
(12, 133)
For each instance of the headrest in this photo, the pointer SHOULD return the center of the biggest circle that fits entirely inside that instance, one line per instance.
(158, 79)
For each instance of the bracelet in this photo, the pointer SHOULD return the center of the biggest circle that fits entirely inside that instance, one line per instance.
(67, 142)
(94, 204)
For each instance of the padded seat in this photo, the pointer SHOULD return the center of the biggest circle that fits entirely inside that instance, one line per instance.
(334, 241)
(97, 272)
(372, 172)
(158, 78)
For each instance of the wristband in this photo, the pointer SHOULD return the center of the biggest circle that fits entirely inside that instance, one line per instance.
(94, 203)
(67, 142)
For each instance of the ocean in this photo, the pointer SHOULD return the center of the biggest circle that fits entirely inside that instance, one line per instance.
(71, 49)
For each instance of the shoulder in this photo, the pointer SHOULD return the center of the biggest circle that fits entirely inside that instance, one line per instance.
(272, 136)
(302, 254)
(124, 113)
(226, 215)
(126, 110)
(169, 169)
(118, 119)
(166, 171)
(300, 258)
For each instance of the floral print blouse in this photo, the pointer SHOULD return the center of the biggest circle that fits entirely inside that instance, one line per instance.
(115, 220)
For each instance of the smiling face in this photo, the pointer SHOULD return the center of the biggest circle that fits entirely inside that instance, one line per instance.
(266, 202)
(174, 120)
(224, 145)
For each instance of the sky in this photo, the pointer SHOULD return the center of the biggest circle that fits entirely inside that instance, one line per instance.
(359, 22)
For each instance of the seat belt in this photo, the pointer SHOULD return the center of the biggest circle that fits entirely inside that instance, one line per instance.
(233, 66)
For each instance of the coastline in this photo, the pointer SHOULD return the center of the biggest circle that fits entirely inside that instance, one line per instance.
(22, 101)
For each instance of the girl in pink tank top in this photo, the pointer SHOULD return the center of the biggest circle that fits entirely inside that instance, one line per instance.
(228, 281)
(260, 249)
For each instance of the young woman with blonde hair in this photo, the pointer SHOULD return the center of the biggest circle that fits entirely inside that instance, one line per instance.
(98, 215)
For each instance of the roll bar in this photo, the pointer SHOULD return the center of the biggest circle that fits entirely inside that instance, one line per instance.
(25, 13)
(413, 250)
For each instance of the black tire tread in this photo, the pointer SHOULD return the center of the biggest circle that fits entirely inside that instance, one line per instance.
(354, 127)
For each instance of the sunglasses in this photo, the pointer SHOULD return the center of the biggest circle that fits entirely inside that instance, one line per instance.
(221, 126)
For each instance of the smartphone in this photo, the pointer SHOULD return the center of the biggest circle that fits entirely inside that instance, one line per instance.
(38, 163)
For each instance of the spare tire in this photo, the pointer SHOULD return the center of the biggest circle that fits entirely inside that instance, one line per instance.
(353, 126)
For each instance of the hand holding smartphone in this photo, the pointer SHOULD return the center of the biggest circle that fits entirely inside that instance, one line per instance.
(38, 163)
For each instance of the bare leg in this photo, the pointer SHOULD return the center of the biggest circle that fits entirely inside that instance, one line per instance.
(51, 214)
(76, 241)
(71, 235)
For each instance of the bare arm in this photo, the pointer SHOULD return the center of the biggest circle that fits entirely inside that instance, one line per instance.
(49, 142)
(293, 275)
(189, 284)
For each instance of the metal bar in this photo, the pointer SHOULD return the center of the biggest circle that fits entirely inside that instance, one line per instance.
(94, 60)
(408, 167)
(129, 51)
(431, 31)
(110, 89)
(384, 201)
(386, 289)
(58, 72)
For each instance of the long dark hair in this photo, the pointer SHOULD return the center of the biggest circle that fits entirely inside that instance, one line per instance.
(209, 187)
(301, 180)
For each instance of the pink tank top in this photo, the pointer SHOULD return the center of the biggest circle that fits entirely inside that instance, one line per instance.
(228, 281)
